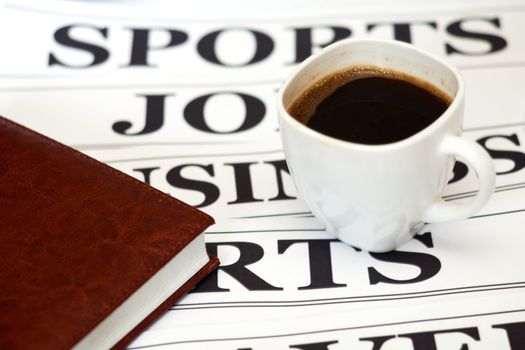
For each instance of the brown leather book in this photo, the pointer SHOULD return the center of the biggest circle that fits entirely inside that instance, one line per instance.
(89, 256)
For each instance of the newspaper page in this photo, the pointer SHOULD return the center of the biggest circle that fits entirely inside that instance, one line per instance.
(187, 104)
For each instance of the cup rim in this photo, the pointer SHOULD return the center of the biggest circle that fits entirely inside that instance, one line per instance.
(422, 134)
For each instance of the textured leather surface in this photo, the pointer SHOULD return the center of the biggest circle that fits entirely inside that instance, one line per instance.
(77, 239)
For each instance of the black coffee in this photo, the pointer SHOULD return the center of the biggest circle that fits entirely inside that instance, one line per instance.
(369, 106)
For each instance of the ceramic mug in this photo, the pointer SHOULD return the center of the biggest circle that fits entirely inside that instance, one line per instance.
(376, 197)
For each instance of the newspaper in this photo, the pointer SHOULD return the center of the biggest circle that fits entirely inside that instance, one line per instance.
(187, 104)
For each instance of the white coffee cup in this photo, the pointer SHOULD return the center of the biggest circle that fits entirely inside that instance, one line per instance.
(376, 197)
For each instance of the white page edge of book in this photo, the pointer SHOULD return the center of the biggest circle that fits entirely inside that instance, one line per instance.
(148, 297)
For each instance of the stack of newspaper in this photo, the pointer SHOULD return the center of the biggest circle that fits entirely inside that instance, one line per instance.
(187, 104)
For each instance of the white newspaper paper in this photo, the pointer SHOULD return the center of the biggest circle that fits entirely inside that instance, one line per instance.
(187, 104)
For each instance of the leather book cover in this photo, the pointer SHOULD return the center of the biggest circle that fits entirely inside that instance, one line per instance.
(78, 238)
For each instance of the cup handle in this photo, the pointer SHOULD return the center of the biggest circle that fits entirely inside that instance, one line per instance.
(478, 159)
